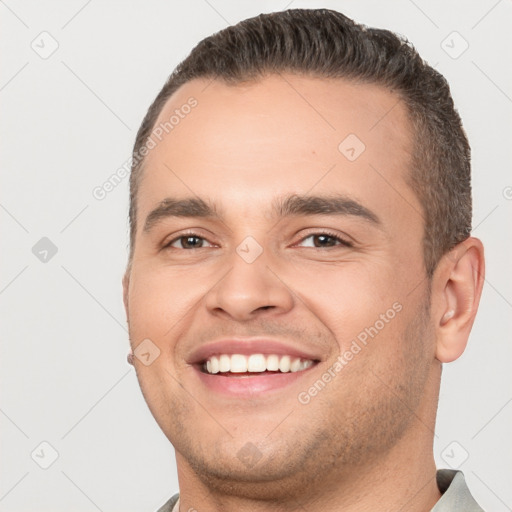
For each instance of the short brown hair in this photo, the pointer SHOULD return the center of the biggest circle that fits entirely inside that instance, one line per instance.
(325, 43)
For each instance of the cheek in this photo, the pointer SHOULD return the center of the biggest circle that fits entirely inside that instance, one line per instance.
(158, 301)
(348, 298)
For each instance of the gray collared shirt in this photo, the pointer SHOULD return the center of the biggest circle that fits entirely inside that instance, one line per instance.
(452, 484)
(456, 495)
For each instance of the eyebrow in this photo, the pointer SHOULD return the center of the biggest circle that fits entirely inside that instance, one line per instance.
(188, 207)
(297, 205)
(289, 206)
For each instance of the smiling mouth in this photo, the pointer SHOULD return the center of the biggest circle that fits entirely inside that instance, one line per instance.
(239, 365)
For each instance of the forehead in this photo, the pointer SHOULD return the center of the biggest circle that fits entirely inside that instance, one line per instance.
(280, 132)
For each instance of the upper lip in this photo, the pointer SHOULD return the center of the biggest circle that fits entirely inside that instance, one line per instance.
(247, 346)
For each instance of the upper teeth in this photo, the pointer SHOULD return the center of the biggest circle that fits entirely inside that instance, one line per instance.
(238, 363)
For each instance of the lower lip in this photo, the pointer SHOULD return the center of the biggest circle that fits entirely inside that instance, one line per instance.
(249, 385)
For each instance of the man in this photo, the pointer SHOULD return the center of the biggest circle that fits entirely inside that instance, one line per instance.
(301, 266)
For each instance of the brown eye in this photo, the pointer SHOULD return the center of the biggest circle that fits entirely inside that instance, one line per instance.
(188, 241)
(323, 241)
(191, 242)
(320, 240)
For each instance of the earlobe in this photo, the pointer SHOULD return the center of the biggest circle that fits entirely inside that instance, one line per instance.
(458, 286)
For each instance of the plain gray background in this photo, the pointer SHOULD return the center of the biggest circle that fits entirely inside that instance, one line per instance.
(68, 123)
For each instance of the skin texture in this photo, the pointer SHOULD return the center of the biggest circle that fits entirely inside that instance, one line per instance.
(364, 442)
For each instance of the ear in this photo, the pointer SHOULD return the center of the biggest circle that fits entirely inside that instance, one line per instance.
(456, 289)
(126, 287)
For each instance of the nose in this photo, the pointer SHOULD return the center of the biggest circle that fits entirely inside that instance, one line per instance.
(248, 290)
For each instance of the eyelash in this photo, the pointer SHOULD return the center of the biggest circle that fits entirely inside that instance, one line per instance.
(330, 234)
(337, 238)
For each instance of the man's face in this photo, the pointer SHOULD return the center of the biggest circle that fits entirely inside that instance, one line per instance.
(313, 284)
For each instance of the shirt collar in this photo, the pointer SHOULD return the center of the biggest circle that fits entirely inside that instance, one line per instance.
(455, 493)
